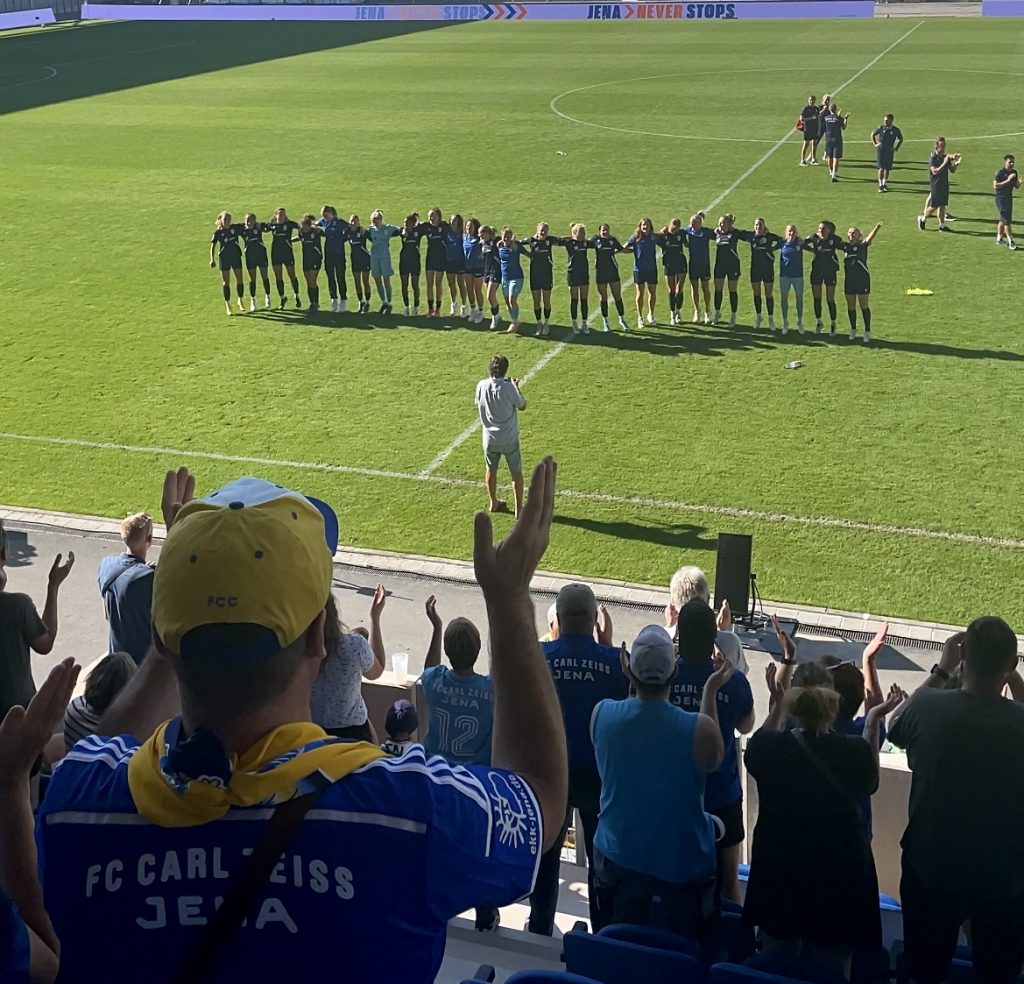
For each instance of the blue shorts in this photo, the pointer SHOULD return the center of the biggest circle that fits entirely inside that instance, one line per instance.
(380, 266)
(512, 288)
(1005, 210)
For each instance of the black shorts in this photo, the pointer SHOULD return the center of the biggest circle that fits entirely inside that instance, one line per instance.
(455, 264)
(229, 260)
(732, 818)
(541, 280)
(492, 278)
(810, 133)
(677, 268)
(312, 263)
(857, 283)
(1005, 210)
(360, 262)
(578, 279)
(645, 276)
(883, 158)
(282, 254)
(827, 277)
(256, 260)
(477, 274)
(762, 273)
(436, 261)
(940, 196)
(603, 279)
(727, 269)
(699, 270)
(834, 148)
(410, 266)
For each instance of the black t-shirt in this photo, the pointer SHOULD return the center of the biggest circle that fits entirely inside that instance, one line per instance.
(228, 238)
(410, 239)
(357, 240)
(20, 625)
(311, 241)
(824, 249)
(577, 252)
(437, 240)
(833, 124)
(1004, 195)
(539, 253)
(940, 180)
(856, 258)
(762, 248)
(253, 238)
(492, 262)
(673, 246)
(967, 791)
(888, 137)
(810, 114)
(605, 267)
(727, 244)
(282, 231)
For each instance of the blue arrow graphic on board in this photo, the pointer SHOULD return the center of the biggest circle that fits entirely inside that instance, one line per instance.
(489, 11)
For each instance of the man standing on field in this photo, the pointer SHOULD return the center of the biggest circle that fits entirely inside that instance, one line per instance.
(887, 140)
(499, 401)
(1005, 181)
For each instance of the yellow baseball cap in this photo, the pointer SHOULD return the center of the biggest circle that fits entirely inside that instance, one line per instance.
(250, 553)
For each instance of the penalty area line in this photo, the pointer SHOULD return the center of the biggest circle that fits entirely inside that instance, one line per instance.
(641, 502)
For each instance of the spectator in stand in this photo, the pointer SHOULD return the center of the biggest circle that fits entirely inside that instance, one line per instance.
(400, 725)
(23, 632)
(126, 586)
(30, 946)
(602, 630)
(967, 791)
(856, 687)
(147, 841)
(337, 701)
(654, 838)
(689, 583)
(810, 784)
(105, 681)
(499, 400)
(585, 673)
(461, 706)
(696, 631)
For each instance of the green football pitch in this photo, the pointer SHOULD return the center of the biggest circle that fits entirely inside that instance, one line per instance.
(881, 478)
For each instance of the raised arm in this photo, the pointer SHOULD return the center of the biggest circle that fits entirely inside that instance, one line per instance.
(437, 631)
(57, 576)
(23, 734)
(708, 746)
(776, 691)
(872, 686)
(528, 737)
(788, 654)
(603, 631)
(869, 238)
(877, 714)
(380, 596)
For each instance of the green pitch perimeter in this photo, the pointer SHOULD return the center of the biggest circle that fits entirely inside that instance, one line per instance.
(122, 142)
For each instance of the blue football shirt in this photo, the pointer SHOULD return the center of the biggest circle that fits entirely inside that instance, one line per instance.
(585, 673)
(364, 891)
(735, 702)
(461, 715)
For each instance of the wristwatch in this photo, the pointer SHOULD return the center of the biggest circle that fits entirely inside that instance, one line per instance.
(940, 673)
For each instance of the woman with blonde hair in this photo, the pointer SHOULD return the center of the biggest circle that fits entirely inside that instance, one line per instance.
(282, 256)
(578, 276)
(226, 235)
(698, 240)
(455, 266)
(645, 269)
(541, 275)
(813, 890)
(381, 234)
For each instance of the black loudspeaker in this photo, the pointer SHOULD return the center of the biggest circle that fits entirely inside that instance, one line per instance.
(732, 572)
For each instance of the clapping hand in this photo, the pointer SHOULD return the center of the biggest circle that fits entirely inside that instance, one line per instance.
(788, 646)
(896, 696)
(724, 619)
(776, 686)
(380, 596)
(179, 489)
(504, 570)
(671, 615)
(722, 673)
(59, 572)
(431, 608)
(26, 730)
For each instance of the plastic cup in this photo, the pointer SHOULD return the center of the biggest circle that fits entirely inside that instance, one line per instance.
(400, 667)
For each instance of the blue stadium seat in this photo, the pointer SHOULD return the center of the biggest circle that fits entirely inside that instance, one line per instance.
(610, 959)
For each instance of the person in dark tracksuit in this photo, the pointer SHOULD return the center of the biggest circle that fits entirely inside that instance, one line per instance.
(335, 236)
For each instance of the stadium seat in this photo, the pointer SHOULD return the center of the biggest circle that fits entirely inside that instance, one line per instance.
(485, 974)
(728, 973)
(548, 977)
(610, 958)
(787, 968)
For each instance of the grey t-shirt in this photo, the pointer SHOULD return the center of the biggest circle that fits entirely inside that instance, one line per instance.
(499, 403)
(19, 625)
(967, 791)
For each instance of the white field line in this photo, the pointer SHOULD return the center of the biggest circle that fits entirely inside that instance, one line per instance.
(778, 144)
(445, 453)
(619, 500)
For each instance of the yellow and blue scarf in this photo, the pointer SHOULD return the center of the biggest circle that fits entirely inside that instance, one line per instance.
(179, 780)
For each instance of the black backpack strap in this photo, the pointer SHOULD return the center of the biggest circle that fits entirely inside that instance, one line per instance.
(227, 920)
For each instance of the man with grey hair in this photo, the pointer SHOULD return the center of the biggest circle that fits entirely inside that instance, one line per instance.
(585, 673)
(499, 400)
(691, 582)
(126, 587)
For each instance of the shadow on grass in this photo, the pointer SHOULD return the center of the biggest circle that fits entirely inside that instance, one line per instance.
(679, 536)
(711, 341)
(45, 67)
